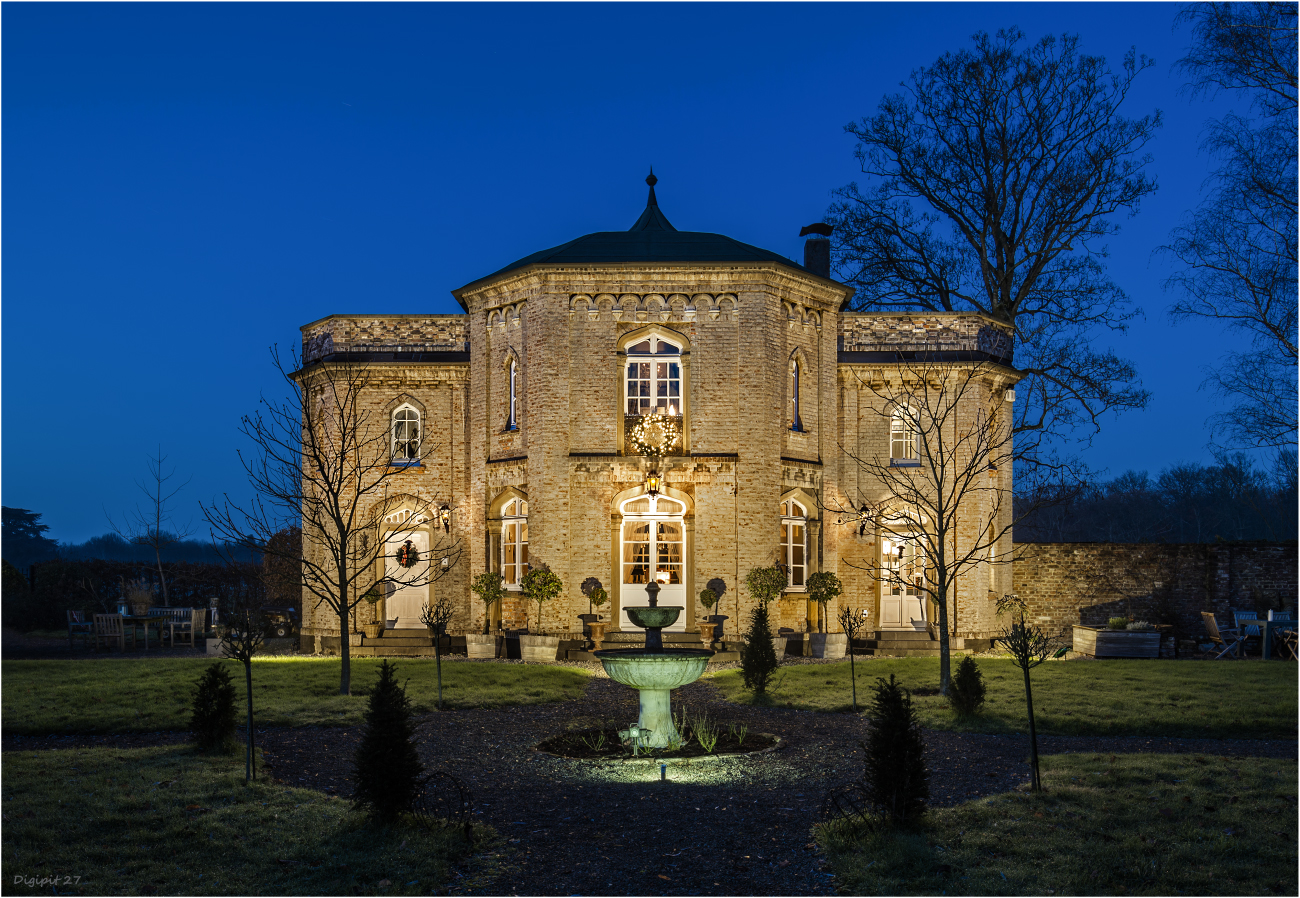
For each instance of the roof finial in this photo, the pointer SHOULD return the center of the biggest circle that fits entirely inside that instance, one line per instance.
(652, 181)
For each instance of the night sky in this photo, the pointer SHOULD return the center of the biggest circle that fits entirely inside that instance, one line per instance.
(186, 185)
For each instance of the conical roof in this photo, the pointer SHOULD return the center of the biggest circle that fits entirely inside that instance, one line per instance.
(651, 239)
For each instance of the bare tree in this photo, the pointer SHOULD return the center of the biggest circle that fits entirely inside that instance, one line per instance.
(152, 524)
(324, 460)
(936, 499)
(1029, 647)
(1237, 251)
(241, 631)
(993, 176)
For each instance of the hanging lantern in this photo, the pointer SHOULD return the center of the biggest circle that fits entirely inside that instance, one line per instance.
(652, 482)
(445, 514)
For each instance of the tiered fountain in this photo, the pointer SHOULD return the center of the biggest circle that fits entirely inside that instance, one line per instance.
(653, 672)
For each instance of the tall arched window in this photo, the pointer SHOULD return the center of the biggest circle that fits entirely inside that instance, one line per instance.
(406, 434)
(654, 377)
(794, 543)
(514, 541)
(902, 437)
(796, 423)
(512, 423)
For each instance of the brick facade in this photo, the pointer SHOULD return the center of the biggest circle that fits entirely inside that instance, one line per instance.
(1087, 583)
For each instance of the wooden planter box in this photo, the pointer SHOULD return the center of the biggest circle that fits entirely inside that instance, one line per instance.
(1103, 643)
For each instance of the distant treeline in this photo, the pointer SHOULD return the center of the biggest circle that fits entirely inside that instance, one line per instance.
(1230, 501)
(111, 547)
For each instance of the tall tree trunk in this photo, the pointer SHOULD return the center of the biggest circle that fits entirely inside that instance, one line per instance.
(945, 653)
(345, 675)
(437, 655)
(157, 554)
(1035, 782)
(250, 769)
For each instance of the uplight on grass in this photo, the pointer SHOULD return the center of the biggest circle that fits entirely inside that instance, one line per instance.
(126, 695)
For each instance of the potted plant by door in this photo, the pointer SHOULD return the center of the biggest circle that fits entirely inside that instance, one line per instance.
(598, 596)
(540, 585)
(490, 592)
(375, 626)
(823, 588)
(708, 598)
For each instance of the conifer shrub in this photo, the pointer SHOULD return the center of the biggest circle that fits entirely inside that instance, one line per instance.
(387, 768)
(896, 779)
(758, 661)
(213, 719)
(966, 692)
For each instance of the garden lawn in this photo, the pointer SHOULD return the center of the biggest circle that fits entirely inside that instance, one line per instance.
(145, 695)
(1193, 699)
(1107, 825)
(171, 821)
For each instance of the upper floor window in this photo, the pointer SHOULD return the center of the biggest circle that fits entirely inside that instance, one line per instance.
(796, 370)
(406, 434)
(902, 436)
(512, 422)
(794, 543)
(654, 378)
(514, 541)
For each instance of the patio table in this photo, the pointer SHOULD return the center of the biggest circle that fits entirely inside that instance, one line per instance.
(146, 620)
(1266, 627)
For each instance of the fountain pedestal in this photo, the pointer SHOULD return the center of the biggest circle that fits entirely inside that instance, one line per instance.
(653, 672)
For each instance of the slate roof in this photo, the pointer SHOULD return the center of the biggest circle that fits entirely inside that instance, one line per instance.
(651, 239)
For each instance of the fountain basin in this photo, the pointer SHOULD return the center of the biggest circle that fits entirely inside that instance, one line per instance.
(655, 676)
(653, 618)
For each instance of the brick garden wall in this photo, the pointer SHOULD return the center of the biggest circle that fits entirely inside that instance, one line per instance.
(1086, 583)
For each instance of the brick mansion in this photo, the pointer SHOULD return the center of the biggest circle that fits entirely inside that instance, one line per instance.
(656, 404)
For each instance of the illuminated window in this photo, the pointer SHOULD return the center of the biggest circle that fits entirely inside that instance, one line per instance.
(512, 423)
(654, 378)
(514, 542)
(902, 437)
(406, 435)
(903, 563)
(796, 423)
(794, 543)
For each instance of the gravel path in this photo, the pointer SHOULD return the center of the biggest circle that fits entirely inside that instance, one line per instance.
(724, 827)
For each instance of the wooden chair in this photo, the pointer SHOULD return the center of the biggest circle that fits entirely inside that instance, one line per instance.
(109, 627)
(1232, 642)
(191, 624)
(79, 626)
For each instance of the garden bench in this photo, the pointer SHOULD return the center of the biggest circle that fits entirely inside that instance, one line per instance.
(191, 624)
(109, 627)
(1231, 644)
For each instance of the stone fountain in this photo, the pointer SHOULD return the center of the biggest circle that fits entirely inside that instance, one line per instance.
(653, 672)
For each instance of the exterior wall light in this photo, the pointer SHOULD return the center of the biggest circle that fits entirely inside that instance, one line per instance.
(652, 481)
(445, 514)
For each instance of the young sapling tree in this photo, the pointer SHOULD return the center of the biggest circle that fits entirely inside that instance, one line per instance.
(539, 585)
(487, 586)
(436, 618)
(851, 622)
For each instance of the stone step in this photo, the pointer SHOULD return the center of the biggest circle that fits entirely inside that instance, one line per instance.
(392, 651)
(399, 642)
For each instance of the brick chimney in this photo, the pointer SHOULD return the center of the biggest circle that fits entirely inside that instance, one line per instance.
(817, 249)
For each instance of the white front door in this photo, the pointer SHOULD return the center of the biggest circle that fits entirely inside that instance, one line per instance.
(653, 549)
(408, 589)
(901, 593)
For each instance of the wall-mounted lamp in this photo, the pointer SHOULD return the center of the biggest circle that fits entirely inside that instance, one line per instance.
(446, 562)
(445, 514)
(652, 483)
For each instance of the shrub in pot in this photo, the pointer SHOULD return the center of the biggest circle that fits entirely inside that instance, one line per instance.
(1117, 623)
(375, 626)
(540, 585)
(488, 587)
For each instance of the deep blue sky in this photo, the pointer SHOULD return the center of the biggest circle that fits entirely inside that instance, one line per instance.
(185, 185)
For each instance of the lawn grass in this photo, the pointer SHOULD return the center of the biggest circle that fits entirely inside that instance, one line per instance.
(172, 821)
(1202, 699)
(1107, 825)
(146, 695)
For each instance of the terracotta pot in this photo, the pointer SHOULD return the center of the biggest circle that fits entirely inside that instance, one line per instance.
(706, 634)
(597, 634)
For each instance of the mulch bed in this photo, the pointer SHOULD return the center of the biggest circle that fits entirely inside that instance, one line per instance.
(726, 827)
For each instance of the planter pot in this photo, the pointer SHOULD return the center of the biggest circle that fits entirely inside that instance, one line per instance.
(597, 634)
(140, 610)
(828, 645)
(479, 645)
(778, 645)
(372, 631)
(1103, 643)
(706, 634)
(717, 620)
(539, 648)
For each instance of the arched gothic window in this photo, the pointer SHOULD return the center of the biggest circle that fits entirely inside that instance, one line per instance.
(406, 434)
(654, 377)
(794, 543)
(514, 541)
(512, 422)
(796, 423)
(902, 437)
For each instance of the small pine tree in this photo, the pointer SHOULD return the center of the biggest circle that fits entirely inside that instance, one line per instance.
(758, 662)
(213, 720)
(897, 780)
(387, 766)
(966, 694)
